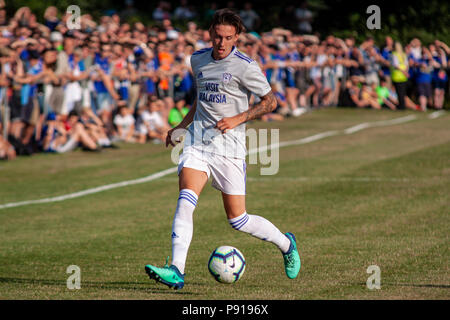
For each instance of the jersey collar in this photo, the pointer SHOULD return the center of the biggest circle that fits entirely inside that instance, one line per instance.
(224, 59)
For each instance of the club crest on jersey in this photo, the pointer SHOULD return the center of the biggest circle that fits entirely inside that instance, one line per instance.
(226, 78)
(200, 75)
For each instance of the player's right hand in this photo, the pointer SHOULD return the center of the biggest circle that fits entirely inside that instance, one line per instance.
(169, 138)
(175, 135)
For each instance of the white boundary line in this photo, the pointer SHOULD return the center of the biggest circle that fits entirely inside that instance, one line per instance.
(163, 173)
(92, 190)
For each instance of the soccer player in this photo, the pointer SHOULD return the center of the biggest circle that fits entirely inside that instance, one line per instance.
(215, 146)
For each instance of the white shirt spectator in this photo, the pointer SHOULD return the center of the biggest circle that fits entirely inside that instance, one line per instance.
(153, 120)
(124, 122)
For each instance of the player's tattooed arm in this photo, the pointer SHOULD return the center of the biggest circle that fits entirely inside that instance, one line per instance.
(267, 104)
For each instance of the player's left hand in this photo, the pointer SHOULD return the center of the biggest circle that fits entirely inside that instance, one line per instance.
(227, 124)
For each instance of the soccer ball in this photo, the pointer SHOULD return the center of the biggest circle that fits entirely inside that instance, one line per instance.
(226, 264)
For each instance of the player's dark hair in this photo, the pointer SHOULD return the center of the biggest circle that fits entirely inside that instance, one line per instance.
(228, 17)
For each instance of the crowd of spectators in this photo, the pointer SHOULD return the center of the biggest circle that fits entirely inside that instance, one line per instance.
(110, 81)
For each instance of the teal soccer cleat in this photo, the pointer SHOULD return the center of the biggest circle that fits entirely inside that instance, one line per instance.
(168, 275)
(291, 258)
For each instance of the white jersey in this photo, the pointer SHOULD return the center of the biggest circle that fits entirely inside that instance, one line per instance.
(223, 90)
(152, 119)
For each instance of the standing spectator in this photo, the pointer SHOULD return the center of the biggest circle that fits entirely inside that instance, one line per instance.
(386, 53)
(74, 90)
(103, 85)
(416, 48)
(3, 20)
(399, 73)
(440, 77)
(51, 19)
(423, 78)
(30, 106)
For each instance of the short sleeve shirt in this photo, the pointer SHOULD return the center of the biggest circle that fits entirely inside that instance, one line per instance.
(223, 90)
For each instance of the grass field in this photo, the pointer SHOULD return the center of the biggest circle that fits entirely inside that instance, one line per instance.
(379, 196)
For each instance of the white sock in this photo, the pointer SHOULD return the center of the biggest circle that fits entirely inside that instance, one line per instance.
(183, 227)
(104, 142)
(261, 228)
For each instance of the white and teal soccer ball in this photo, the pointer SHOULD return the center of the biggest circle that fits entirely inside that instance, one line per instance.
(226, 264)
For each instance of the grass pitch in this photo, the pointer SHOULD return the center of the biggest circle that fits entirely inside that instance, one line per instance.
(379, 197)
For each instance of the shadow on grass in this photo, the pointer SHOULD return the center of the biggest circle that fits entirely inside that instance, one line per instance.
(147, 287)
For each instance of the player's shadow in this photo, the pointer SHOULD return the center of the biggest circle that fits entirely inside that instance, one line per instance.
(146, 287)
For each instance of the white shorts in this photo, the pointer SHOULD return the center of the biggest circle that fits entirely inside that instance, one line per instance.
(228, 174)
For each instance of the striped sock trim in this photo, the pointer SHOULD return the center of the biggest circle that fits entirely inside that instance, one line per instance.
(186, 195)
(240, 222)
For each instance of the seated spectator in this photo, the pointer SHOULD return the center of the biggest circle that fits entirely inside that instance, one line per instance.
(385, 98)
(355, 97)
(124, 122)
(64, 136)
(368, 96)
(95, 128)
(282, 108)
(177, 113)
(151, 125)
(7, 151)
